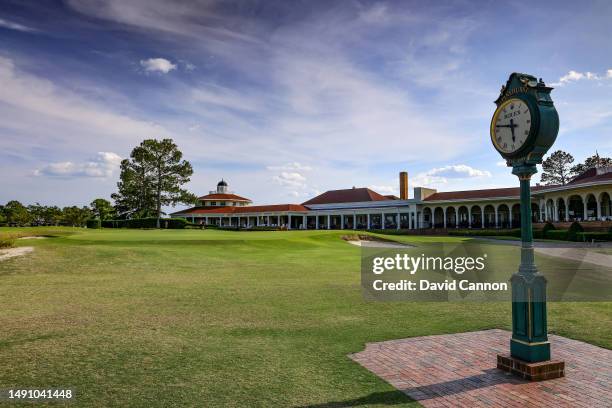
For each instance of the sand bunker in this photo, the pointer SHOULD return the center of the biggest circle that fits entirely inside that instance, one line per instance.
(369, 241)
(13, 252)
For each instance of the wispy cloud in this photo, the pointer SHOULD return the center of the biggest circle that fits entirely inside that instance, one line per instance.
(290, 179)
(290, 167)
(16, 26)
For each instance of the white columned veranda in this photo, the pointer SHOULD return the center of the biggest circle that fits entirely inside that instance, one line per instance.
(457, 217)
(469, 208)
(443, 212)
(368, 223)
(496, 220)
(328, 221)
(382, 221)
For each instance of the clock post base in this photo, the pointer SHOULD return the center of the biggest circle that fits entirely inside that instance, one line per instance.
(543, 370)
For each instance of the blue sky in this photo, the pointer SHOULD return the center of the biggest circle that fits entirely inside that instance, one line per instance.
(285, 99)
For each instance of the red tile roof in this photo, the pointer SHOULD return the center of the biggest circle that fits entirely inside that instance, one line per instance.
(351, 195)
(590, 176)
(218, 196)
(244, 209)
(476, 194)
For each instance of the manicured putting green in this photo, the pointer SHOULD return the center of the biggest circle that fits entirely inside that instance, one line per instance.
(217, 318)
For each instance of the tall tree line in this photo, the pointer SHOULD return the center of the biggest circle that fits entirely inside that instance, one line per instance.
(15, 213)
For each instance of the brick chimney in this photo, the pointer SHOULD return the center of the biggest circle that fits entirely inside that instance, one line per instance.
(403, 187)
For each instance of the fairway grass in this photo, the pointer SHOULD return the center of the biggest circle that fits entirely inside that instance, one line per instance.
(210, 318)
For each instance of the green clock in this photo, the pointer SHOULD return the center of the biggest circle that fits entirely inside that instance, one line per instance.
(525, 123)
(524, 126)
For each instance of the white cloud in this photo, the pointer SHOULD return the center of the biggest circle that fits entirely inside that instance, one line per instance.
(290, 167)
(458, 171)
(573, 76)
(441, 175)
(157, 65)
(501, 163)
(290, 179)
(103, 165)
(16, 26)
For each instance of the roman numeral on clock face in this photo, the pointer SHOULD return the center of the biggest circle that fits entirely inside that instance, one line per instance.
(511, 125)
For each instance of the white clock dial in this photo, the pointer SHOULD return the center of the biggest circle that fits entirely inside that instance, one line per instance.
(511, 125)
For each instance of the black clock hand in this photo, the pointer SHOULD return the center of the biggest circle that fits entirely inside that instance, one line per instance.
(512, 126)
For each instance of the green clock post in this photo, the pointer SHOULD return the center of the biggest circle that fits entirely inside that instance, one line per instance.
(524, 126)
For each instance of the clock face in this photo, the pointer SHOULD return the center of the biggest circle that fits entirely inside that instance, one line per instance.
(511, 126)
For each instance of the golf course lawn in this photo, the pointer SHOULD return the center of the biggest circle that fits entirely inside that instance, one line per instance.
(219, 318)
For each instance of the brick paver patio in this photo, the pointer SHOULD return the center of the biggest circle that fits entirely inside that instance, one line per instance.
(459, 370)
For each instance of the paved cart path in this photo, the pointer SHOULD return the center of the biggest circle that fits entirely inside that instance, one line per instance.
(578, 254)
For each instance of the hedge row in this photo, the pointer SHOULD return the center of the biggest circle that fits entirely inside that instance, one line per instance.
(594, 236)
(515, 232)
(261, 228)
(94, 224)
(170, 223)
(559, 235)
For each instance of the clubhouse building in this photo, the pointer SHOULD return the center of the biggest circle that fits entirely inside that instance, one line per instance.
(585, 198)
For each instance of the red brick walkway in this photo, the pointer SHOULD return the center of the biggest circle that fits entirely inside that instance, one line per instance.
(459, 370)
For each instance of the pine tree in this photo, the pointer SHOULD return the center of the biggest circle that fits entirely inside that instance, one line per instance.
(556, 169)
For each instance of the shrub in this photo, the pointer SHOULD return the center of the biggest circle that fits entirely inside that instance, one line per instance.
(516, 232)
(390, 231)
(170, 223)
(6, 243)
(574, 229)
(549, 226)
(560, 235)
(94, 224)
(594, 236)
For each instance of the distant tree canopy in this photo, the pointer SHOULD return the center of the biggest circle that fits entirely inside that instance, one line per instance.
(557, 168)
(75, 216)
(153, 177)
(16, 213)
(102, 209)
(590, 162)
